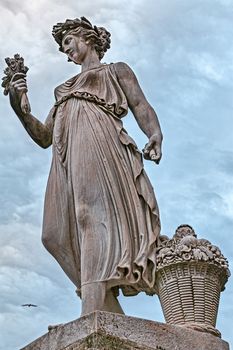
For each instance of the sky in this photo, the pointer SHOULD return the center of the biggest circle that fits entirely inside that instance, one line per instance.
(182, 54)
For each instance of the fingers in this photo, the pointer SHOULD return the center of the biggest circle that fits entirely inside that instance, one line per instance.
(152, 150)
(17, 76)
(158, 154)
(18, 82)
(148, 147)
(19, 86)
(153, 154)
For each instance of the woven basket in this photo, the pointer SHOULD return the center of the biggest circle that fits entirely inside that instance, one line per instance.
(189, 293)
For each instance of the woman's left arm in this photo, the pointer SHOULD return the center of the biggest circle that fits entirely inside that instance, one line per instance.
(142, 110)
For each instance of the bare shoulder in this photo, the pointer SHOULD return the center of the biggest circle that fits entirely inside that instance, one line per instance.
(129, 84)
(123, 71)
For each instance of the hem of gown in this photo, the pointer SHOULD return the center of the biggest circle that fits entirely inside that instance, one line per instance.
(128, 289)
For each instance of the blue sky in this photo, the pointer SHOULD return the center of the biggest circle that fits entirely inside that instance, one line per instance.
(182, 54)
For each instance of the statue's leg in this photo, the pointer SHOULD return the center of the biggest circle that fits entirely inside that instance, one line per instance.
(112, 304)
(94, 244)
(96, 297)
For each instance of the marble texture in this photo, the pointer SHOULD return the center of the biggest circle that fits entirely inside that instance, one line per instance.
(107, 331)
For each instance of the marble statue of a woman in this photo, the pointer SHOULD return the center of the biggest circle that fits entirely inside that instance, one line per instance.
(101, 220)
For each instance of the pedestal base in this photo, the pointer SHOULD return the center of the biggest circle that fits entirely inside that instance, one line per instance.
(109, 331)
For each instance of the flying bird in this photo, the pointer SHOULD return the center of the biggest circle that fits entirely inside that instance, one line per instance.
(30, 305)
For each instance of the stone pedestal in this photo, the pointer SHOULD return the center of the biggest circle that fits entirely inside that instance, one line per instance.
(109, 331)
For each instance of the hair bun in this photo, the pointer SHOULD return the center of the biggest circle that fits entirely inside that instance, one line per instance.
(105, 38)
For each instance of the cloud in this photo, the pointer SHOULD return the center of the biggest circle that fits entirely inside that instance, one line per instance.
(29, 275)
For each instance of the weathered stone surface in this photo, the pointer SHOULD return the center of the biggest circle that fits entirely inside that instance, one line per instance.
(191, 273)
(101, 219)
(107, 331)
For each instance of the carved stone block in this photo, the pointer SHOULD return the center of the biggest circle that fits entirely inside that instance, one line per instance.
(109, 331)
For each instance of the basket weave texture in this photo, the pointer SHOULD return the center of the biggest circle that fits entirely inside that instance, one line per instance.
(191, 274)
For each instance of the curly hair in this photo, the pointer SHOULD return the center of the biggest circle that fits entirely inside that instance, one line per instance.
(99, 37)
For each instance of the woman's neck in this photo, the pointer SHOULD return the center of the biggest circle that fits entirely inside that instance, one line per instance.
(91, 61)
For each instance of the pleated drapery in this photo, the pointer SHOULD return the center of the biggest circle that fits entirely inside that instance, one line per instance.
(101, 220)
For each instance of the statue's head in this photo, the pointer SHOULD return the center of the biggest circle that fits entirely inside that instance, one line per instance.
(97, 37)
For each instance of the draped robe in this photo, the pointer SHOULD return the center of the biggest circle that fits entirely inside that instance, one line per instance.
(101, 220)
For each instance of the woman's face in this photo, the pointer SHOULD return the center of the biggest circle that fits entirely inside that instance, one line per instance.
(76, 48)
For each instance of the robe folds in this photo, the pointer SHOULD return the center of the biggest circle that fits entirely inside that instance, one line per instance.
(101, 220)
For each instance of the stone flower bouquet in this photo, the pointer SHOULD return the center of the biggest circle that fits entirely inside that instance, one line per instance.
(15, 65)
(191, 273)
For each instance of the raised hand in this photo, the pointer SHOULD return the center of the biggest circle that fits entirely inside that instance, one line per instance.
(14, 82)
(18, 89)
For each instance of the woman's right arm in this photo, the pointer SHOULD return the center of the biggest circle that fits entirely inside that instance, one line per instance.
(39, 132)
